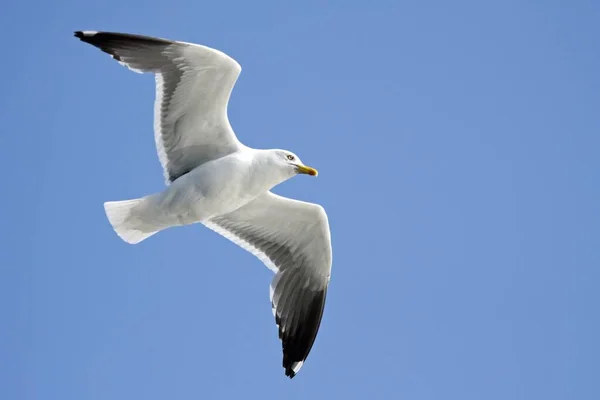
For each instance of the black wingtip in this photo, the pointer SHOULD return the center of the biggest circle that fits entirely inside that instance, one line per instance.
(84, 36)
(79, 35)
(290, 373)
(297, 342)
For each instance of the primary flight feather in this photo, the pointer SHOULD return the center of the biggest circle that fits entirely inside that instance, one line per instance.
(214, 179)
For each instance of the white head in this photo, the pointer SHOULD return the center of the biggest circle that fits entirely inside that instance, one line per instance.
(291, 161)
(286, 164)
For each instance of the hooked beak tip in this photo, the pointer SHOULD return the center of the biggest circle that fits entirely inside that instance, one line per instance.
(303, 169)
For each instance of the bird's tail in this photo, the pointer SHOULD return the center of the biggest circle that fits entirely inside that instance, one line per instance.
(125, 218)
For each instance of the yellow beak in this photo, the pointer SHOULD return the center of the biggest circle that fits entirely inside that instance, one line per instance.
(303, 169)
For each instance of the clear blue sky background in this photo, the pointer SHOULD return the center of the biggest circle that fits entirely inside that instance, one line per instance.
(457, 144)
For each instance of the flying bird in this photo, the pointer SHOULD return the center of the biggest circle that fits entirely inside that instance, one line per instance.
(214, 179)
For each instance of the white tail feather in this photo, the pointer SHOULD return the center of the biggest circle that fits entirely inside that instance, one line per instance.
(130, 228)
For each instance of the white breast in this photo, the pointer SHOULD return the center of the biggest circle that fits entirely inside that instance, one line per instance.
(217, 187)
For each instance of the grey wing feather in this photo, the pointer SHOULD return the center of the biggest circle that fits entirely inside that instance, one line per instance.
(193, 86)
(292, 238)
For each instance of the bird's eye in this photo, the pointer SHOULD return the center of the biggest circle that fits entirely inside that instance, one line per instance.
(290, 157)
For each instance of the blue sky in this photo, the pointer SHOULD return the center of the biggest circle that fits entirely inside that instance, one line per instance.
(457, 145)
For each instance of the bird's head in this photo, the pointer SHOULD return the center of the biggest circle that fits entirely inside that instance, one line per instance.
(291, 163)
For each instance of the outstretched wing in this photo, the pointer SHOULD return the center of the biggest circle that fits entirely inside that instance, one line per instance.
(193, 85)
(292, 238)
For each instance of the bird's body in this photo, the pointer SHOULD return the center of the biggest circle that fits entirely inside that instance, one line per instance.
(212, 189)
(215, 180)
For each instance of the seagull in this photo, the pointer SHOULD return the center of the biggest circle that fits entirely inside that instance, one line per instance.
(214, 179)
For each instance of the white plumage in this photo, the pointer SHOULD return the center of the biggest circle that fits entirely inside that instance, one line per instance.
(214, 179)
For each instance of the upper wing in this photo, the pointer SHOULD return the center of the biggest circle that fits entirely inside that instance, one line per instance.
(193, 85)
(292, 238)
